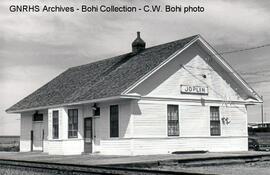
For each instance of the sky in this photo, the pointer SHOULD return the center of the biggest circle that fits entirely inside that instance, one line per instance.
(36, 47)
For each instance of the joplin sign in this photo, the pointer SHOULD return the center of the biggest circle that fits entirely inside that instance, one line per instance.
(186, 89)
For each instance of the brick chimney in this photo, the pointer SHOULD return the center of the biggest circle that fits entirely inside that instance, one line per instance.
(138, 44)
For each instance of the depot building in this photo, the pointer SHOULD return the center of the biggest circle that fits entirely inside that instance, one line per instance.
(178, 96)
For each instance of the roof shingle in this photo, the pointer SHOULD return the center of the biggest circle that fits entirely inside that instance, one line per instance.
(105, 78)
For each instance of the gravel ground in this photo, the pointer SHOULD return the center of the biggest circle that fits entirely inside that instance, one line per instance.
(12, 170)
(255, 168)
(259, 168)
(7, 170)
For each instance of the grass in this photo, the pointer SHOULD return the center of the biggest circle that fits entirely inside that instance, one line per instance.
(9, 143)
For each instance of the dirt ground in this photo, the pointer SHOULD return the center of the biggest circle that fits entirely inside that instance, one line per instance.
(255, 168)
(236, 166)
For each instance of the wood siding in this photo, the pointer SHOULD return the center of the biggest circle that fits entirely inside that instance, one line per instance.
(143, 123)
(188, 68)
(147, 146)
(27, 126)
(194, 119)
(149, 120)
(124, 119)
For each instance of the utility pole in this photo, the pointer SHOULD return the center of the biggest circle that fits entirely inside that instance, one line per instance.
(262, 111)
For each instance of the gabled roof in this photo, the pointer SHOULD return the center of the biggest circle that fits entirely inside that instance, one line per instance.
(101, 79)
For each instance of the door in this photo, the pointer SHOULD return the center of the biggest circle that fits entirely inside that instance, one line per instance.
(37, 135)
(88, 135)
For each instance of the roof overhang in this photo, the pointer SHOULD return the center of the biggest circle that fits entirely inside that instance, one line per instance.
(199, 39)
(120, 97)
(255, 96)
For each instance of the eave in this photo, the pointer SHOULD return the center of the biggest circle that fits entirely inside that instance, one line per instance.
(131, 96)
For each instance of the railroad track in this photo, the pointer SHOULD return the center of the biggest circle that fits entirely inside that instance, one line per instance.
(71, 169)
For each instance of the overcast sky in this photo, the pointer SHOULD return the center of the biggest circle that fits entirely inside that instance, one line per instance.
(36, 47)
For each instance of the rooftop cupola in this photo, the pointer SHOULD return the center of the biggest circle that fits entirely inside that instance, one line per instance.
(138, 44)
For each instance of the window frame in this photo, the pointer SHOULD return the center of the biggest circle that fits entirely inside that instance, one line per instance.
(216, 122)
(177, 133)
(110, 121)
(53, 131)
(73, 124)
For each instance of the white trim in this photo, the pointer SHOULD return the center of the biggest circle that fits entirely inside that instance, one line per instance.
(160, 65)
(61, 140)
(167, 126)
(213, 52)
(109, 110)
(194, 100)
(222, 60)
(58, 124)
(174, 137)
(132, 96)
(125, 94)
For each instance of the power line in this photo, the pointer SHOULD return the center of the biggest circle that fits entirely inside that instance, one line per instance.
(246, 49)
(261, 81)
(226, 100)
(242, 73)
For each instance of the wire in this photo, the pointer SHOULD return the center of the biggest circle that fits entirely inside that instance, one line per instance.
(257, 73)
(242, 73)
(226, 100)
(262, 81)
(246, 49)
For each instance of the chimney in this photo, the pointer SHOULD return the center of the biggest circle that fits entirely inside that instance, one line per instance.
(138, 44)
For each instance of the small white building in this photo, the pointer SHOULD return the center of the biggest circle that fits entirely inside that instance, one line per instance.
(178, 96)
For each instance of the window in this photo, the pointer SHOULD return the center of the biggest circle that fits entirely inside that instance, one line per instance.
(214, 121)
(55, 124)
(114, 117)
(72, 123)
(173, 120)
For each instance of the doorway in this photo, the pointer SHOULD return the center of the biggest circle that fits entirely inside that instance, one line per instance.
(88, 135)
(37, 135)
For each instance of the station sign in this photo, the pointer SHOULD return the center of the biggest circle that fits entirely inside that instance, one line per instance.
(186, 89)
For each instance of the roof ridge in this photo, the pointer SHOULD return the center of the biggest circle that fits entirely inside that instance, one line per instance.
(166, 43)
(175, 41)
(104, 75)
(98, 79)
(98, 61)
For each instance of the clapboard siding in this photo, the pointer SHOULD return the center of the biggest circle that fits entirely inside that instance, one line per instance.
(64, 147)
(169, 145)
(54, 147)
(45, 124)
(147, 146)
(96, 132)
(237, 125)
(26, 127)
(65, 121)
(105, 122)
(49, 122)
(124, 119)
(152, 121)
(187, 69)
(116, 147)
(143, 129)
(194, 120)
